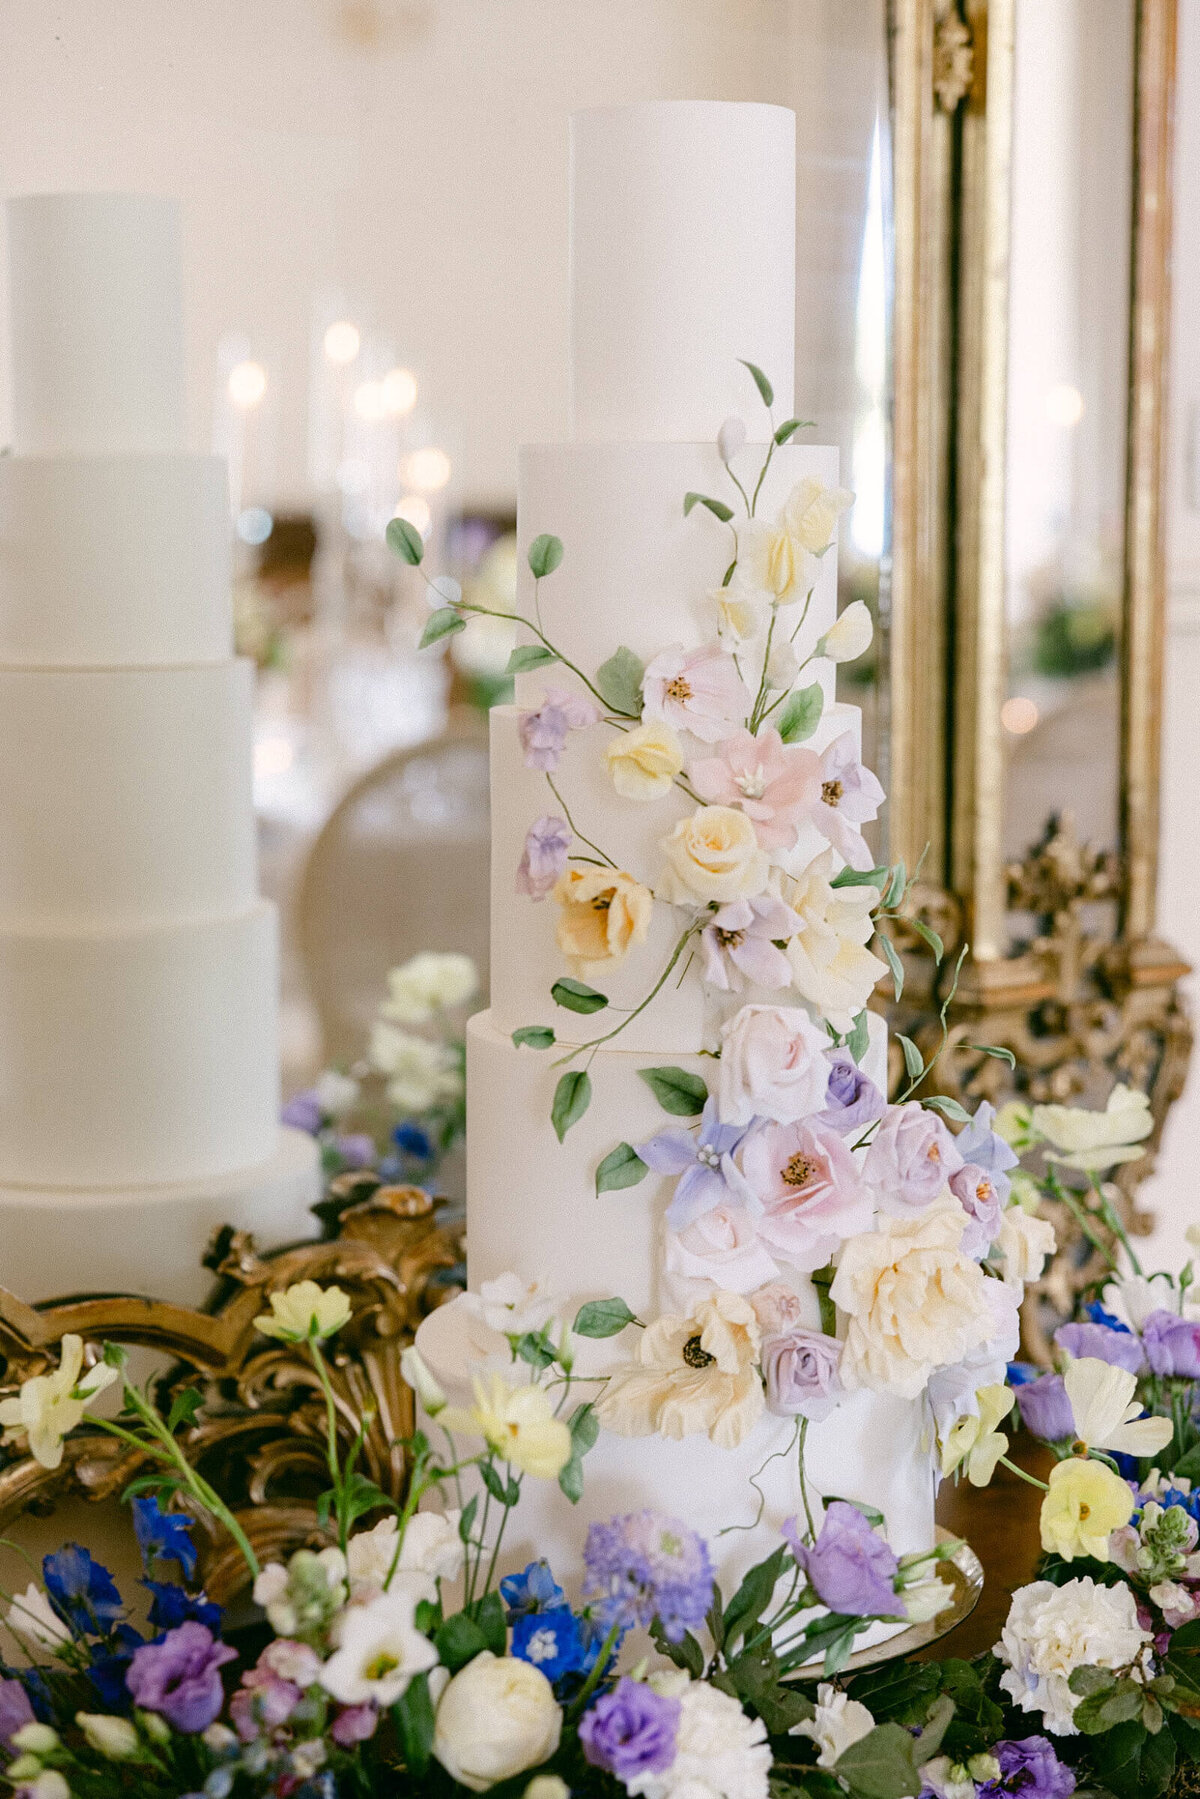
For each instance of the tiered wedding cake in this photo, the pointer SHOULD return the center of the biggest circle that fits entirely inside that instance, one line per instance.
(682, 264)
(139, 1076)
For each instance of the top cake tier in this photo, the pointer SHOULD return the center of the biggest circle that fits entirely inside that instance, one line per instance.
(96, 324)
(683, 219)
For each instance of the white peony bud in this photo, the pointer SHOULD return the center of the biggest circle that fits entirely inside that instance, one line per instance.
(114, 1737)
(850, 635)
(419, 1377)
(497, 1717)
(34, 1739)
(730, 439)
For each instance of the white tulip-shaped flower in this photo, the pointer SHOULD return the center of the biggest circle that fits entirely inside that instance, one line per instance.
(379, 1650)
(1106, 1413)
(49, 1406)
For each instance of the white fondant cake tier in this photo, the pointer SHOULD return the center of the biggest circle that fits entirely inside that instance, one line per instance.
(126, 795)
(97, 324)
(105, 1240)
(526, 959)
(136, 1057)
(635, 571)
(683, 218)
(111, 560)
(533, 1207)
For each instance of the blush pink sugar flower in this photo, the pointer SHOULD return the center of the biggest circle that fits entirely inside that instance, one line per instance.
(741, 944)
(847, 797)
(911, 1158)
(696, 690)
(773, 783)
(809, 1187)
(543, 732)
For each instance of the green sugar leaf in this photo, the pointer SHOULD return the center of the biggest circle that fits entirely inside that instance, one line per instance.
(602, 1318)
(718, 508)
(766, 391)
(527, 656)
(545, 554)
(621, 1167)
(914, 1061)
(676, 1091)
(572, 1097)
(802, 714)
(576, 997)
(405, 541)
(442, 623)
(619, 683)
(894, 963)
(534, 1036)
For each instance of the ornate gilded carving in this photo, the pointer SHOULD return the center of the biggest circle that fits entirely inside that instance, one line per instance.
(260, 1435)
(953, 60)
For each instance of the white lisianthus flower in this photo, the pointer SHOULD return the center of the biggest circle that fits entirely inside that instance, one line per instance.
(421, 1074)
(513, 1305)
(379, 1649)
(420, 1378)
(336, 1092)
(305, 1313)
(427, 983)
(1106, 1413)
(1050, 1631)
(850, 635)
(32, 1616)
(1025, 1242)
(832, 968)
(1097, 1140)
(115, 1738)
(944, 1779)
(720, 1753)
(49, 1406)
(839, 1721)
(495, 1718)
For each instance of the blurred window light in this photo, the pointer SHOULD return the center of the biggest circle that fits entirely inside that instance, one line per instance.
(254, 524)
(1019, 715)
(399, 392)
(1064, 404)
(354, 475)
(427, 470)
(869, 452)
(247, 384)
(416, 511)
(342, 341)
(368, 400)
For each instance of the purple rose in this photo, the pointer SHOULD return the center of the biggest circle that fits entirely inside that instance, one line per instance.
(1120, 1348)
(1032, 1769)
(543, 733)
(630, 1731)
(544, 857)
(801, 1372)
(15, 1710)
(976, 1192)
(850, 1568)
(1172, 1344)
(1045, 1409)
(180, 1677)
(912, 1156)
(852, 1100)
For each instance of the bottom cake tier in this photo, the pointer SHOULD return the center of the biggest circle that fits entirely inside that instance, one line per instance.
(533, 1208)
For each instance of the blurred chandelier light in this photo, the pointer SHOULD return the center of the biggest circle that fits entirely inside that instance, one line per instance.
(247, 384)
(1064, 404)
(342, 341)
(399, 392)
(416, 511)
(427, 470)
(1019, 715)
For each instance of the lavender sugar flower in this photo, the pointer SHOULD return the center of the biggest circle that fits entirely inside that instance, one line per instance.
(849, 1567)
(853, 1100)
(1032, 1769)
(544, 857)
(646, 1565)
(1121, 1349)
(1172, 1345)
(543, 733)
(709, 1174)
(631, 1731)
(180, 1677)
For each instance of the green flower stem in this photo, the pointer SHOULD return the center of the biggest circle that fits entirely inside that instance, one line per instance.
(1030, 1479)
(928, 1068)
(808, 1517)
(595, 1042)
(517, 618)
(487, 1585)
(740, 488)
(1112, 1219)
(606, 860)
(762, 473)
(331, 1443)
(761, 695)
(593, 1680)
(1083, 1218)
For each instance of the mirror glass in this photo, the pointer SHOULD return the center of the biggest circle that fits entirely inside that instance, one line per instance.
(1067, 390)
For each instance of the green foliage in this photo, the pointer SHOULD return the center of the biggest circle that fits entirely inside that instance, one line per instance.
(602, 1318)
(802, 714)
(575, 996)
(687, 1653)
(458, 1641)
(619, 683)
(894, 963)
(527, 656)
(929, 936)
(881, 1765)
(585, 1428)
(1133, 1764)
(752, 1597)
(718, 508)
(405, 541)
(545, 554)
(859, 1037)
(678, 1092)
(414, 1721)
(914, 1061)
(861, 877)
(949, 1108)
(534, 1036)
(621, 1167)
(1001, 1054)
(505, 1492)
(442, 623)
(766, 391)
(572, 1097)
(790, 427)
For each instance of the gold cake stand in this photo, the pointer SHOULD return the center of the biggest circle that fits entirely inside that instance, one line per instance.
(963, 1575)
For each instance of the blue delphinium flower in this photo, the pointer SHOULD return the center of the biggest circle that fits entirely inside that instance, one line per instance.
(551, 1641)
(413, 1141)
(109, 1665)
(1098, 1315)
(703, 1160)
(980, 1145)
(533, 1590)
(172, 1605)
(646, 1565)
(163, 1536)
(81, 1591)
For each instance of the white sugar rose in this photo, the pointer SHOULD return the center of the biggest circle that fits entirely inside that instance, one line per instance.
(832, 968)
(1025, 1242)
(496, 1717)
(644, 762)
(713, 855)
(773, 1065)
(914, 1302)
(720, 1753)
(429, 983)
(839, 1722)
(722, 1249)
(1050, 1631)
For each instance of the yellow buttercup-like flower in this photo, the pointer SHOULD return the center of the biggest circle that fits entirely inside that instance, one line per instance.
(1085, 1504)
(974, 1444)
(604, 913)
(644, 762)
(304, 1313)
(517, 1422)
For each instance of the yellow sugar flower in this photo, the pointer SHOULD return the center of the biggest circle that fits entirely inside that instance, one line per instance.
(644, 762)
(1085, 1504)
(304, 1313)
(974, 1444)
(517, 1422)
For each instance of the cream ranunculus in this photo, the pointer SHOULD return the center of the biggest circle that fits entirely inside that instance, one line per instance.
(604, 913)
(644, 762)
(49, 1406)
(518, 1423)
(850, 635)
(713, 855)
(694, 1375)
(914, 1302)
(1097, 1140)
(427, 983)
(304, 1312)
(832, 968)
(1025, 1241)
(495, 1718)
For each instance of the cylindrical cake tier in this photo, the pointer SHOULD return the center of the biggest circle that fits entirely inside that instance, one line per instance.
(526, 958)
(635, 572)
(140, 1056)
(533, 1208)
(683, 260)
(96, 303)
(151, 814)
(114, 560)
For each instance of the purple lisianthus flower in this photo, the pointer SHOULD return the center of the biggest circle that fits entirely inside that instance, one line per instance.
(262, 1703)
(849, 1567)
(551, 1641)
(180, 1677)
(81, 1591)
(741, 944)
(631, 1731)
(1032, 1768)
(978, 1143)
(976, 1191)
(356, 1150)
(1119, 1348)
(1045, 1409)
(709, 1176)
(543, 733)
(912, 1156)
(354, 1724)
(544, 857)
(534, 1589)
(646, 1565)
(848, 796)
(15, 1710)
(163, 1536)
(1172, 1344)
(853, 1100)
(801, 1372)
(304, 1113)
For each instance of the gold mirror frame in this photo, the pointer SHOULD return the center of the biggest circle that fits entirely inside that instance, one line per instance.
(1083, 1002)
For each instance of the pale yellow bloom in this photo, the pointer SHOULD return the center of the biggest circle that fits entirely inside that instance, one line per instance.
(741, 614)
(713, 855)
(850, 635)
(1025, 1241)
(304, 1312)
(1097, 1140)
(517, 1422)
(832, 968)
(49, 1406)
(604, 913)
(1086, 1502)
(694, 1375)
(974, 1444)
(812, 512)
(644, 762)
(1106, 1414)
